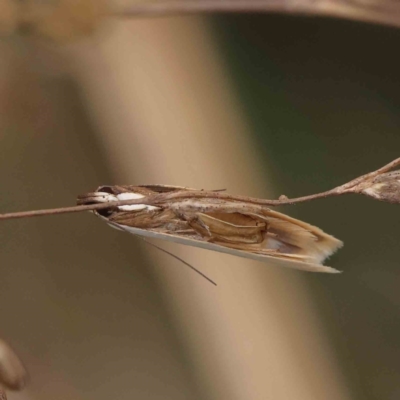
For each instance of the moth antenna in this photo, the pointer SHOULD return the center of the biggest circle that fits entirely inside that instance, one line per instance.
(214, 190)
(181, 260)
(121, 227)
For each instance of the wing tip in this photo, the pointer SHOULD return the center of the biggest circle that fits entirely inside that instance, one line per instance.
(331, 270)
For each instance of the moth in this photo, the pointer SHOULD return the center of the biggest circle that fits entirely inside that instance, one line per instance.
(201, 219)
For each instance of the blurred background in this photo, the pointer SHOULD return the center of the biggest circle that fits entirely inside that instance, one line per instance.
(261, 105)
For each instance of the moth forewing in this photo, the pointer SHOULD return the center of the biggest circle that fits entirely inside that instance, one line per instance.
(232, 227)
(276, 260)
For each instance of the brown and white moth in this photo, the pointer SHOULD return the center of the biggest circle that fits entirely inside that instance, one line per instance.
(236, 227)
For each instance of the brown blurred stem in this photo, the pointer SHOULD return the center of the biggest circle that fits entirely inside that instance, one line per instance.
(377, 11)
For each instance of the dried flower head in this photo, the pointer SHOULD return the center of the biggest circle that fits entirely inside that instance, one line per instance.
(384, 187)
(12, 372)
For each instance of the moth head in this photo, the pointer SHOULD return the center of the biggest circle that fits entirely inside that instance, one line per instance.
(109, 194)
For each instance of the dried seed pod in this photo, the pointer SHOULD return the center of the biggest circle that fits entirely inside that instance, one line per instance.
(57, 20)
(384, 187)
(64, 20)
(12, 372)
(8, 16)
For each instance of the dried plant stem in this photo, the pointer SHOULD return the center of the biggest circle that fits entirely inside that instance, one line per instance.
(350, 187)
(163, 8)
(372, 10)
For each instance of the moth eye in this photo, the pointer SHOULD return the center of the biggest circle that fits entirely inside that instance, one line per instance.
(105, 213)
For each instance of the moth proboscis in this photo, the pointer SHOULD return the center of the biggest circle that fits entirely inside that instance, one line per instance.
(229, 226)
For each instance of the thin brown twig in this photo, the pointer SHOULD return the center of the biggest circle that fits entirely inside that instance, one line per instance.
(373, 11)
(386, 168)
(163, 8)
(159, 199)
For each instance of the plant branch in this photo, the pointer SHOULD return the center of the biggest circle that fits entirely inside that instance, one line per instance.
(356, 185)
(377, 11)
(380, 184)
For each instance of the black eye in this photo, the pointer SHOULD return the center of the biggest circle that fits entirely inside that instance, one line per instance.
(106, 212)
